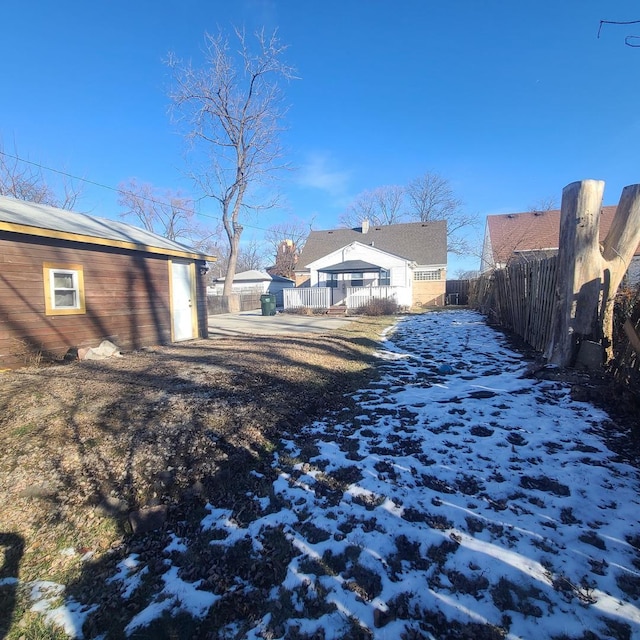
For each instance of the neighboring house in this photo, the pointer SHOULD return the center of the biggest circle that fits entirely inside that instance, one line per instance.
(524, 236)
(409, 260)
(255, 281)
(69, 280)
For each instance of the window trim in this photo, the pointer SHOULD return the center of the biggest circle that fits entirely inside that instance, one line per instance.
(48, 271)
(432, 275)
(332, 281)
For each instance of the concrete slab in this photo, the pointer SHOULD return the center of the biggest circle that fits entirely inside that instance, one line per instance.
(254, 323)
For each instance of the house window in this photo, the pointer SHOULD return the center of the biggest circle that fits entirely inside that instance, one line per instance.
(385, 278)
(332, 281)
(427, 275)
(357, 279)
(63, 289)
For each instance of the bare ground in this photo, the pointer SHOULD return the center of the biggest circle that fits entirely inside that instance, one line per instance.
(87, 445)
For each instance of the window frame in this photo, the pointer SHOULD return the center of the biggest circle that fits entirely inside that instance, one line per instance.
(331, 281)
(432, 275)
(384, 278)
(49, 269)
(353, 279)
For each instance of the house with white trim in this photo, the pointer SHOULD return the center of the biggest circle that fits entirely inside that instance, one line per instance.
(407, 262)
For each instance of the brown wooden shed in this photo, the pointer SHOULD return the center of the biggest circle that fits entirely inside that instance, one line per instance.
(70, 280)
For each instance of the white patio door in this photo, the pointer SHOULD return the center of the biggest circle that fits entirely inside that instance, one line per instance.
(183, 304)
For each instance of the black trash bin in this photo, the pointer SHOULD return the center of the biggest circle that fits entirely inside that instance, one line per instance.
(268, 304)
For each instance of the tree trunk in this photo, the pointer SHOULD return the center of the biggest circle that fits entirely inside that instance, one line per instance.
(588, 276)
(618, 249)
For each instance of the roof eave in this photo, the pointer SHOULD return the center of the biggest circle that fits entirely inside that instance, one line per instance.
(104, 242)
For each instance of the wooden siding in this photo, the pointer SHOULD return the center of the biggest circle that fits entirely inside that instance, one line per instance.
(126, 295)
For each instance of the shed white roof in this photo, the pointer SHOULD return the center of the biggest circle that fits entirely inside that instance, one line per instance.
(38, 219)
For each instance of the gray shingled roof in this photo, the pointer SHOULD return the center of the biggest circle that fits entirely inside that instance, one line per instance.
(40, 216)
(421, 242)
(350, 266)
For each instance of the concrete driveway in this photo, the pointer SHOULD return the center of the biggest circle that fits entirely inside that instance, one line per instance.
(254, 323)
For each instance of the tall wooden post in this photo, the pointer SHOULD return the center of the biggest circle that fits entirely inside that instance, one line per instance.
(588, 274)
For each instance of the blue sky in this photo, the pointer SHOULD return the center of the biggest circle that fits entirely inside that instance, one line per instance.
(510, 101)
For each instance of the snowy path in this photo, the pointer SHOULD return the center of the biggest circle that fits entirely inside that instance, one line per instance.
(464, 501)
(475, 494)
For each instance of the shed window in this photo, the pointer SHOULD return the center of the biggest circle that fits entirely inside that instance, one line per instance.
(427, 275)
(63, 289)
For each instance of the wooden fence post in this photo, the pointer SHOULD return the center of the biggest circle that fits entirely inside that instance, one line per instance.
(588, 276)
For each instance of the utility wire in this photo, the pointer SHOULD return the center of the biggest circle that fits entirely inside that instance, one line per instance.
(120, 191)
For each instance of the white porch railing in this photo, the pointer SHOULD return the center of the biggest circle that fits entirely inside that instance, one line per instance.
(359, 296)
(312, 297)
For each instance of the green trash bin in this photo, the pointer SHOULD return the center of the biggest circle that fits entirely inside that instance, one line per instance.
(268, 304)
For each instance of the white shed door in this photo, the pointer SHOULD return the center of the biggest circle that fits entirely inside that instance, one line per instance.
(182, 305)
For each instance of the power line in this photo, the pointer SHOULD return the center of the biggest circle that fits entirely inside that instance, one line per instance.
(116, 190)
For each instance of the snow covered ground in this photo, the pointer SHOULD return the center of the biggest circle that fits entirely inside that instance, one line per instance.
(465, 500)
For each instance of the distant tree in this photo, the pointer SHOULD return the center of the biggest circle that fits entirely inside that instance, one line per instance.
(232, 109)
(24, 180)
(165, 212)
(431, 197)
(380, 206)
(252, 255)
(543, 205)
(465, 274)
(285, 241)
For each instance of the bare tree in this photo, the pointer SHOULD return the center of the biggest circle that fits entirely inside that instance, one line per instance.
(232, 109)
(544, 205)
(380, 206)
(252, 255)
(24, 180)
(167, 213)
(285, 241)
(431, 198)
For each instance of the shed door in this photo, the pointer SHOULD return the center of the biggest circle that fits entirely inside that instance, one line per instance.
(183, 304)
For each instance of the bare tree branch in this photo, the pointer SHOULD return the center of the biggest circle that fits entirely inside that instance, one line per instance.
(431, 198)
(380, 206)
(232, 107)
(24, 180)
(630, 41)
(167, 213)
(286, 241)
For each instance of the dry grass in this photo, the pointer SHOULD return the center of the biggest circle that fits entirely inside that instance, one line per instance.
(86, 443)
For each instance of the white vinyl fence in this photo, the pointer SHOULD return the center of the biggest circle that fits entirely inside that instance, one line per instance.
(360, 296)
(311, 297)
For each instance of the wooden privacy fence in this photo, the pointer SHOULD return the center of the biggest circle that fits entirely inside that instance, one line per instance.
(519, 298)
(246, 301)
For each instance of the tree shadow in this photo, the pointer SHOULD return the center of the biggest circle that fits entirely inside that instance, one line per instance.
(12, 545)
(182, 427)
